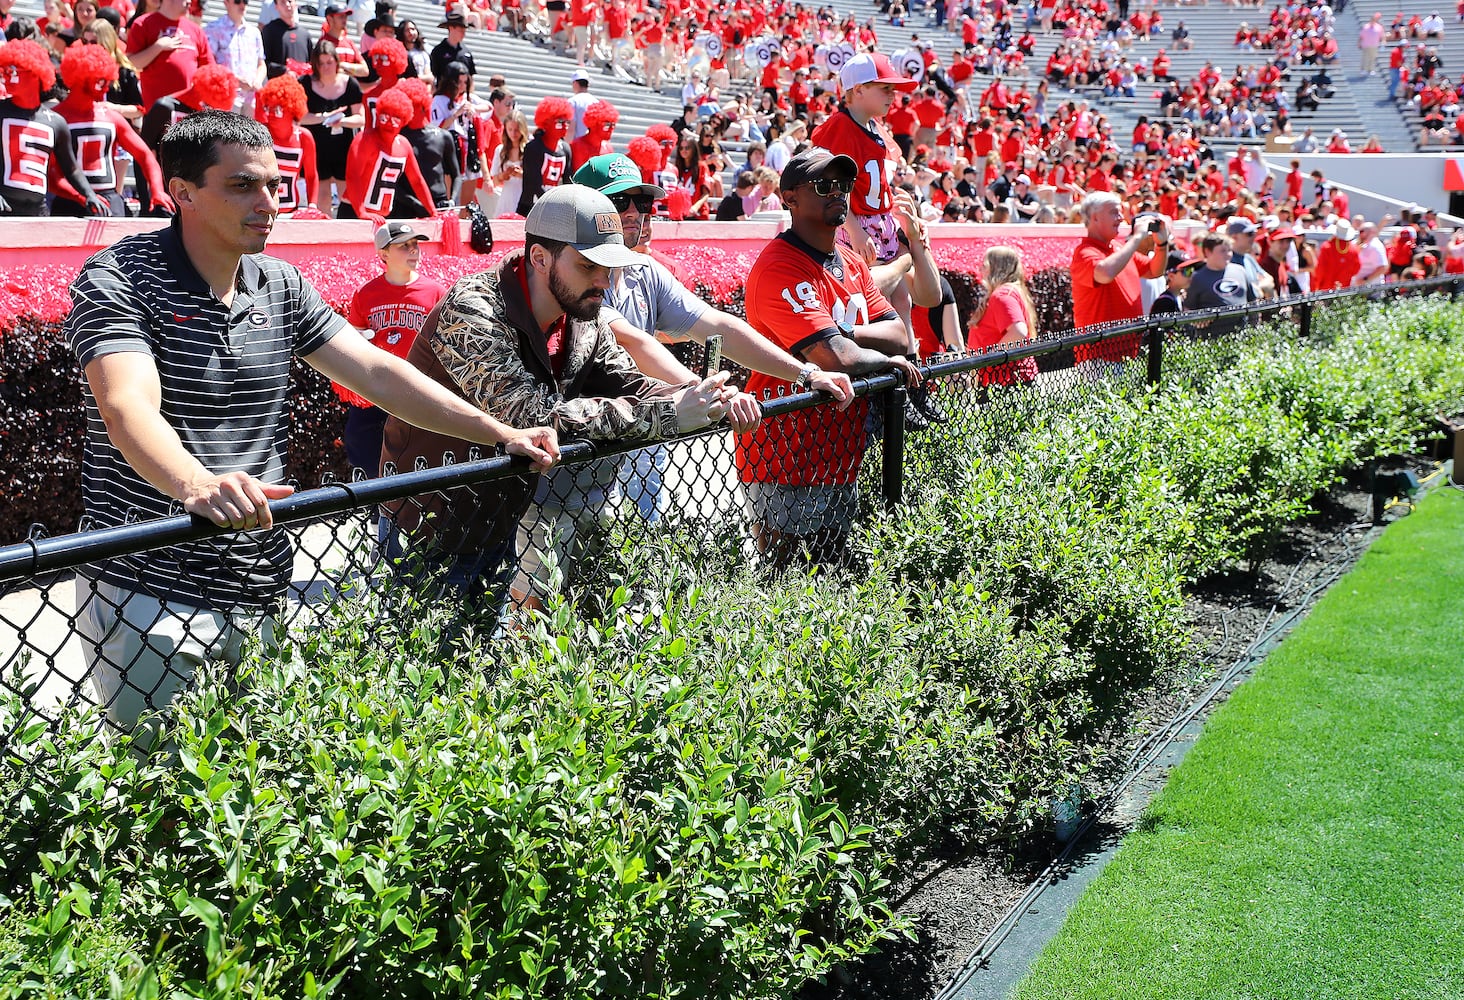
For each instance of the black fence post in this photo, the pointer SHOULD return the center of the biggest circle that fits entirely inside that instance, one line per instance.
(892, 458)
(1454, 290)
(1156, 354)
(1306, 318)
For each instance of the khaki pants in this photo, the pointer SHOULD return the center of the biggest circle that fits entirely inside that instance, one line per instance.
(141, 652)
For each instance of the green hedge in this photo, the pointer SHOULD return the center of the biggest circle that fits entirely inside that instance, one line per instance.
(703, 783)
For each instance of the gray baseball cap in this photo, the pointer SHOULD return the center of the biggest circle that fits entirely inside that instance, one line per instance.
(586, 220)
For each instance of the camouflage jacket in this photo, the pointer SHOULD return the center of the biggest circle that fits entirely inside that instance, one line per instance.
(483, 343)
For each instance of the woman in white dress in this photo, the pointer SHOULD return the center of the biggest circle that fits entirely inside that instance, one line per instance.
(507, 168)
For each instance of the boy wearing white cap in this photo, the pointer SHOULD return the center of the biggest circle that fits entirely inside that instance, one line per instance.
(870, 83)
(389, 309)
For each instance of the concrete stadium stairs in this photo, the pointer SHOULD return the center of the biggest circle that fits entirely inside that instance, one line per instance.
(1397, 124)
(1212, 34)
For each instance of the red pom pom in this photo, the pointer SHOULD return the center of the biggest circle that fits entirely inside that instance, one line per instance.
(551, 108)
(390, 55)
(600, 113)
(215, 86)
(395, 104)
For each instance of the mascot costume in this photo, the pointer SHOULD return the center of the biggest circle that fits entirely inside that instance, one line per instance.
(280, 104)
(600, 119)
(546, 156)
(379, 156)
(35, 142)
(97, 133)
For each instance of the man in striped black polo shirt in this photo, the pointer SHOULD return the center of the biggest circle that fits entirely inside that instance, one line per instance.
(185, 337)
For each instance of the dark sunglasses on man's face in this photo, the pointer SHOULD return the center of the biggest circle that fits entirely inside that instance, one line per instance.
(825, 186)
(644, 203)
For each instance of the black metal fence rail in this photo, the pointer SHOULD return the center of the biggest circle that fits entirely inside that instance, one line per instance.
(42, 672)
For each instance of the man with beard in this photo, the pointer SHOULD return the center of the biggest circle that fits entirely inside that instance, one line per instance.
(816, 300)
(527, 339)
(185, 338)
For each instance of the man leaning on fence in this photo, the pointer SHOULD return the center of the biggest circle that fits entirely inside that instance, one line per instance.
(528, 340)
(185, 337)
(817, 301)
(648, 300)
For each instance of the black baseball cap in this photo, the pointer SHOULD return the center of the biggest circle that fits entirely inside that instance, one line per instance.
(816, 162)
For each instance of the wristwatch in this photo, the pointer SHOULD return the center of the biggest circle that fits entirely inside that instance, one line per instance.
(805, 374)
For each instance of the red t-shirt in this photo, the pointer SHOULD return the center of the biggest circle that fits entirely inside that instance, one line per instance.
(901, 120)
(171, 72)
(1005, 308)
(617, 20)
(581, 13)
(798, 297)
(394, 315)
(928, 111)
(1118, 300)
(873, 191)
(1335, 268)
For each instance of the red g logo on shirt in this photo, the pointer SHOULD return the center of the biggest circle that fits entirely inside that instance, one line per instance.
(382, 189)
(27, 149)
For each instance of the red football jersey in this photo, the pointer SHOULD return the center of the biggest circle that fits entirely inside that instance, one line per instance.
(874, 187)
(797, 296)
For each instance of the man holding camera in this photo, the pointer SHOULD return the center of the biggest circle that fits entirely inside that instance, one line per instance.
(1106, 273)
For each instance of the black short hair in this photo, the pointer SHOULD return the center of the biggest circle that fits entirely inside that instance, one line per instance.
(555, 247)
(191, 146)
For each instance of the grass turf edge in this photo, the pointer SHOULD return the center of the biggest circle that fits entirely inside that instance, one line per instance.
(1309, 845)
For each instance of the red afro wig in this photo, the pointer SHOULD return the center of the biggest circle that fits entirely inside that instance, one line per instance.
(551, 108)
(646, 153)
(84, 65)
(215, 86)
(662, 133)
(283, 92)
(600, 113)
(395, 104)
(416, 90)
(393, 51)
(30, 58)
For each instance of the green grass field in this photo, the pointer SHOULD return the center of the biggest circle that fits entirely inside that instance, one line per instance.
(1312, 842)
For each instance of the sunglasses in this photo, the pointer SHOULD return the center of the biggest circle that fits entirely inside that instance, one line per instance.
(825, 186)
(644, 203)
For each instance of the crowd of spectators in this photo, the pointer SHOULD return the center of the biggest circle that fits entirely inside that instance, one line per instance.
(981, 138)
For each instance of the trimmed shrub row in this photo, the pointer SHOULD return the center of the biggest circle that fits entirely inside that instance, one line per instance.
(703, 783)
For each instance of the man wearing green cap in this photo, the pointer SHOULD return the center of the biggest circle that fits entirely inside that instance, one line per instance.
(646, 300)
(527, 337)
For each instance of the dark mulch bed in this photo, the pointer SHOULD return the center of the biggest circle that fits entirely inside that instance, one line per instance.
(956, 898)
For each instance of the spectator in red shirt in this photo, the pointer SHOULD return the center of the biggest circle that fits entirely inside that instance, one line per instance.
(1106, 273)
(389, 309)
(1337, 260)
(929, 111)
(582, 14)
(166, 49)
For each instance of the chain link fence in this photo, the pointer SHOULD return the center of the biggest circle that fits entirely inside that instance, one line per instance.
(478, 534)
